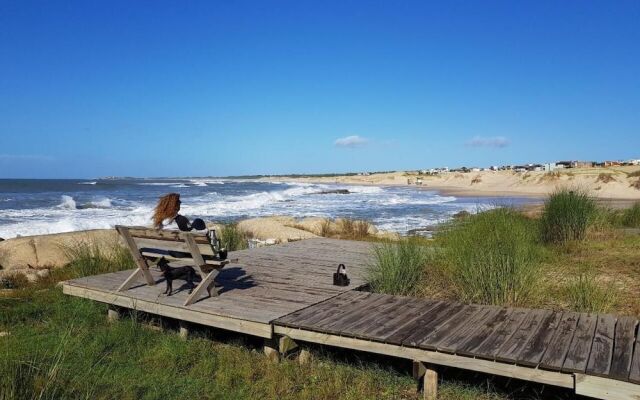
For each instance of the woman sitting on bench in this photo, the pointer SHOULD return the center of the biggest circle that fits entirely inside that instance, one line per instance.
(166, 212)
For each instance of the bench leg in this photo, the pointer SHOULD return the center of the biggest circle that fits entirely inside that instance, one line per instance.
(204, 285)
(131, 280)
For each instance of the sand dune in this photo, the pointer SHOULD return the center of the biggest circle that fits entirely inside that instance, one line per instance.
(603, 183)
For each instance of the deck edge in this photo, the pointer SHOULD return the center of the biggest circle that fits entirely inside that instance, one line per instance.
(264, 330)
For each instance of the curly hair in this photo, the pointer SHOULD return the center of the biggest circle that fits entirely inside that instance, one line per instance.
(168, 207)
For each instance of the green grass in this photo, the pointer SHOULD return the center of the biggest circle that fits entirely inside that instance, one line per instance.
(399, 266)
(566, 216)
(586, 294)
(492, 258)
(232, 238)
(631, 216)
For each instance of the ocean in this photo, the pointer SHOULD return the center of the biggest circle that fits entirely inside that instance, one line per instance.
(32, 207)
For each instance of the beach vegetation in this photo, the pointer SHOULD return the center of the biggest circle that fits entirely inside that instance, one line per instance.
(567, 215)
(634, 174)
(232, 238)
(399, 266)
(631, 216)
(491, 257)
(587, 294)
(605, 178)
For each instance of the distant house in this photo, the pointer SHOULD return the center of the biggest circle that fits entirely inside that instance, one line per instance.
(632, 162)
(576, 164)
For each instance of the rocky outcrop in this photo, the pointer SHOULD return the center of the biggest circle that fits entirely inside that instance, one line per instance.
(282, 229)
(48, 251)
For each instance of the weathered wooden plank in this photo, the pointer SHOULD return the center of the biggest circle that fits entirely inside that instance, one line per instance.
(321, 310)
(531, 351)
(459, 336)
(403, 317)
(356, 316)
(428, 322)
(580, 348)
(623, 348)
(488, 340)
(444, 329)
(365, 327)
(602, 347)
(604, 388)
(332, 312)
(425, 313)
(556, 351)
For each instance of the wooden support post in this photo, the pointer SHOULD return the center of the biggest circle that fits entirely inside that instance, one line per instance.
(286, 344)
(427, 378)
(184, 330)
(113, 314)
(430, 383)
(271, 350)
(304, 357)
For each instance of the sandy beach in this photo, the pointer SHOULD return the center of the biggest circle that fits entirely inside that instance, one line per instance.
(619, 185)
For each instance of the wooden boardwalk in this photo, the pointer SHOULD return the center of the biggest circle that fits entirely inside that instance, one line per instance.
(538, 345)
(265, 284)
(285, 292)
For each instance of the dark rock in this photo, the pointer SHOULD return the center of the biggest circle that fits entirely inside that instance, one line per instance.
(335, 191)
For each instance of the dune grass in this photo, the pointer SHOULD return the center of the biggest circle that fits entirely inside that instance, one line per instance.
(631, 216)
(587, 294)
(399, 266)
(232, 238)
(492, 258)
(566, 216)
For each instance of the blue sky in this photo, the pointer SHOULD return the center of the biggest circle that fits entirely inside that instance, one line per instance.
(203, 88)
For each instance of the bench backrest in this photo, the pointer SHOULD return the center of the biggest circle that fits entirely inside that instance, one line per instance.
(156, 243)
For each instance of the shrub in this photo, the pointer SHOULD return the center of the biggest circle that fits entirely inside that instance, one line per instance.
(631, 216)
(399, 266)
(586, 294)
(566, 216)
(232, 238)
(634, 174)
(635, 184)
(325, 228)
(492, 257)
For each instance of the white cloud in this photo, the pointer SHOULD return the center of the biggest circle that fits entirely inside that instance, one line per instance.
(494, 141)
(351, 141)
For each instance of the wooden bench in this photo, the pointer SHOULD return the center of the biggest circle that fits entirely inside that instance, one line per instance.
(145, 244)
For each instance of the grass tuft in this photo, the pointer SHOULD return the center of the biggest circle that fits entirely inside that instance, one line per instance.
(232, 238)
(492, 258)
(566, 216)
(399, 266)
(631, 216)
(586, 294)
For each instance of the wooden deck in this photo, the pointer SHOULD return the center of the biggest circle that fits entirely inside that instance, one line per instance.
(588, 351)
(286, 292)
(265, 284)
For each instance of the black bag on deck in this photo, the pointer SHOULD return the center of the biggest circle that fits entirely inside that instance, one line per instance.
(340, 277)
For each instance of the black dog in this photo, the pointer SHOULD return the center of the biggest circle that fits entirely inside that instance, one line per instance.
(170, 274)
